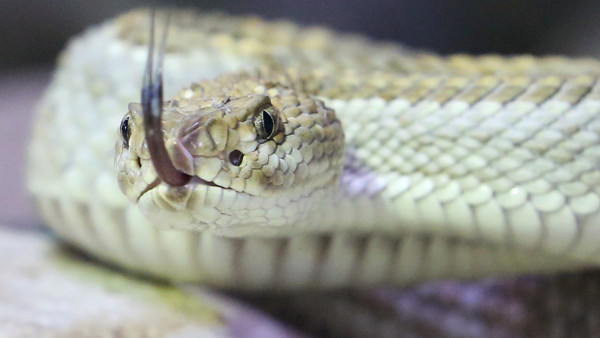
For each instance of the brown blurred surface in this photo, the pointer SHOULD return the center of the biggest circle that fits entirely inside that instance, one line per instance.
(47, 291)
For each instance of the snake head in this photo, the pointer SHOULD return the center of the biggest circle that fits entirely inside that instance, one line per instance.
(240, 150)
(258, 152)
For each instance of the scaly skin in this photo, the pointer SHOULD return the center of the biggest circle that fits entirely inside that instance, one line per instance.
(454, 167)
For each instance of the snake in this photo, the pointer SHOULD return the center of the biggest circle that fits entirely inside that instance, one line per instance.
(287, 157)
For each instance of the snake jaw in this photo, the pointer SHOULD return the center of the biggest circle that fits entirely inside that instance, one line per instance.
(136, 172)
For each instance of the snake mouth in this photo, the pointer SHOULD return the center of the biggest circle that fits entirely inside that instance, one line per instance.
(194, 181)
(149, 187)
(198, 181)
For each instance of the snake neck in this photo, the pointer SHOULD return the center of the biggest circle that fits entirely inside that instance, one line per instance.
(356, 205)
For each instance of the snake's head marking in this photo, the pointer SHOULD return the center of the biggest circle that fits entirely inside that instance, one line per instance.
(259, 153)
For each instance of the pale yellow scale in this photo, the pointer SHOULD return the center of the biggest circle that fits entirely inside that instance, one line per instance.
(454, 167)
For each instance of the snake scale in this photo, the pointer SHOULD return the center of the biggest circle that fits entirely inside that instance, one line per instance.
(318, 160)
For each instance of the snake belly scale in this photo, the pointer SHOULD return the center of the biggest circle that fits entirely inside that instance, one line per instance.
(385, 166)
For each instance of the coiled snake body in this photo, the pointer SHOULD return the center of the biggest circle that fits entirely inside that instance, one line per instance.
(319, 160)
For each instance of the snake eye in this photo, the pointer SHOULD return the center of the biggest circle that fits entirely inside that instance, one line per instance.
(125, 131)
(266, 123)
(236, 157)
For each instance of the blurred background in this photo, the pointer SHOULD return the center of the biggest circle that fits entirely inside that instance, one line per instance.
(33, 32)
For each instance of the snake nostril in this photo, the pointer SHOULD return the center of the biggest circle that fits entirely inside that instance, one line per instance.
(139, 162)
(236, 157)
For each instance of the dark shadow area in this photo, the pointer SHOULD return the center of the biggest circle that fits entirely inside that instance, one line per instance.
(33, 32)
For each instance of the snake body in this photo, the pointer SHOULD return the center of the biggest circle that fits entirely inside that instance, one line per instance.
(387, 167)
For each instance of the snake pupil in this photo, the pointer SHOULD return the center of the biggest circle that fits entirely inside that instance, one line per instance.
(236, 157)
(265, 123)
(125, 131)
(268, 123)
